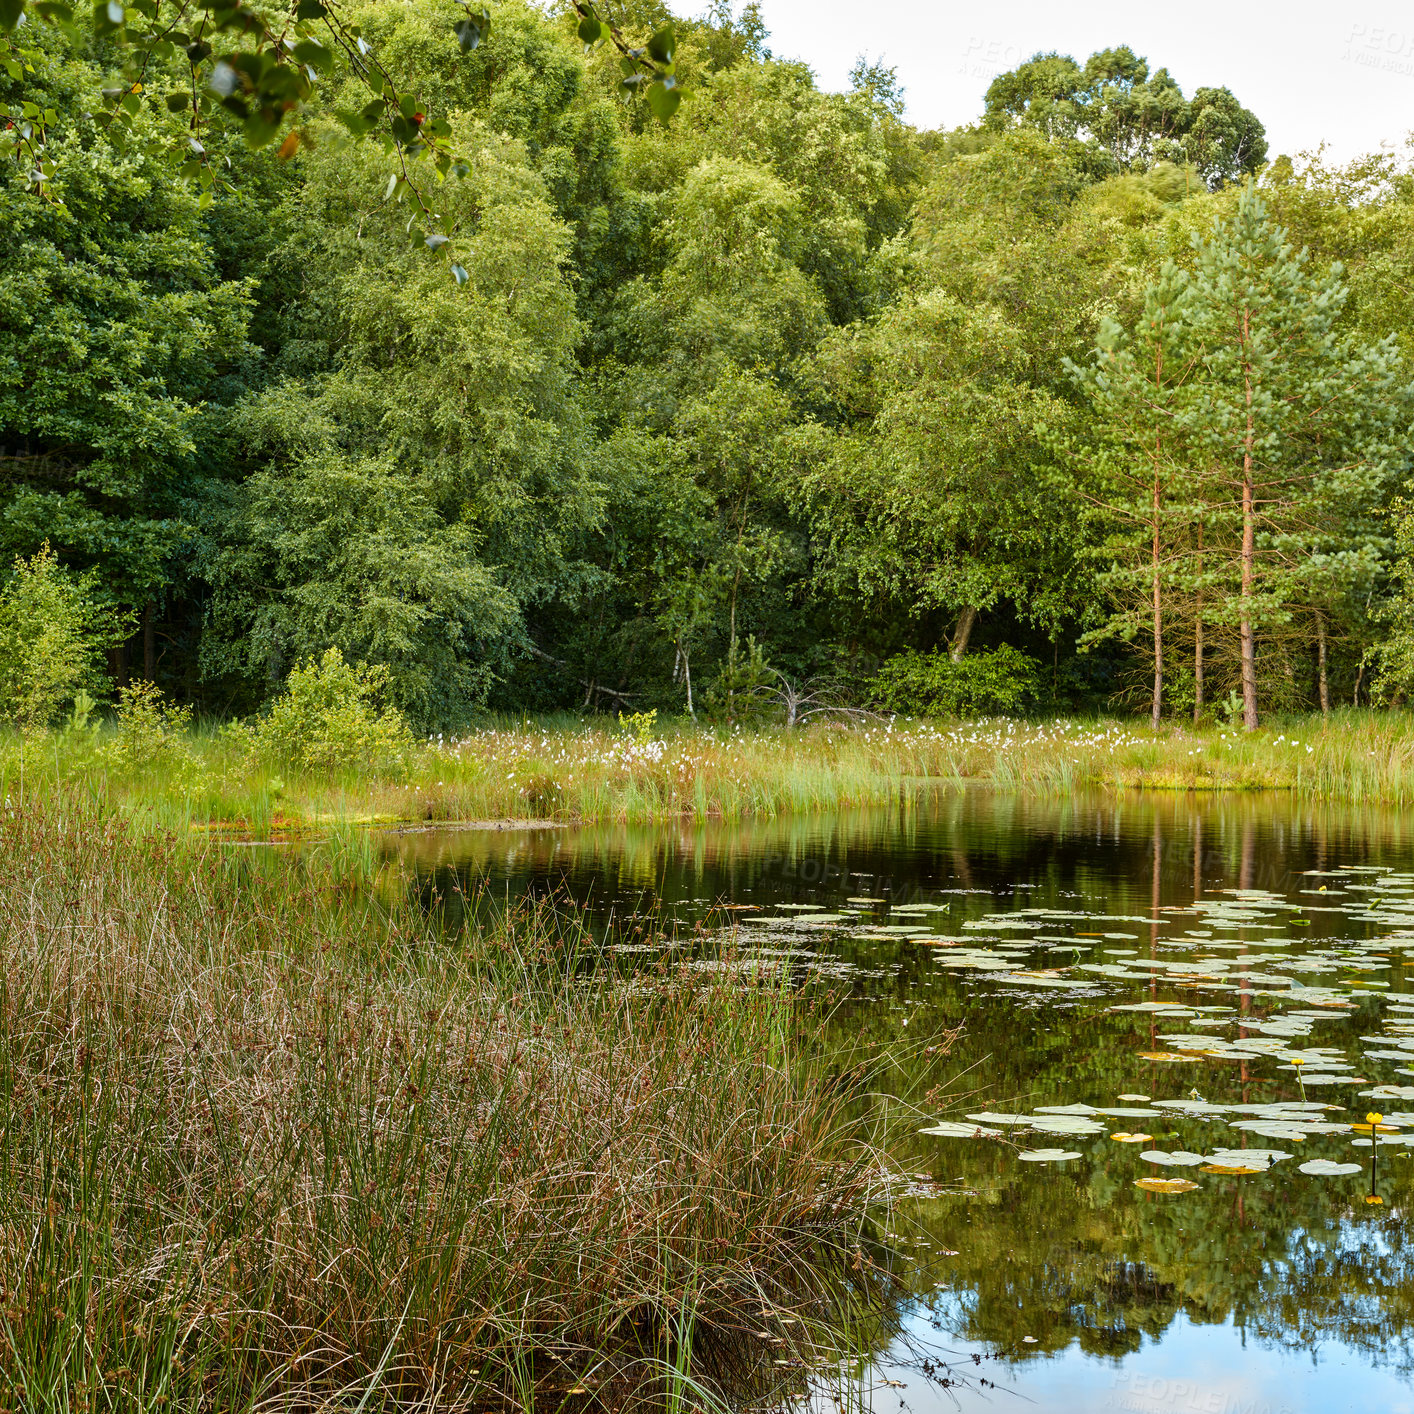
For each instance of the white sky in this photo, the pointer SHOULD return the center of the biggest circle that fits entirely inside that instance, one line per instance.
(1312, 72)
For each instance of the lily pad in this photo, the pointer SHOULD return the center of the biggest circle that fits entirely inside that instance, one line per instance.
(1066, 1124)
(1324, 1168)
(1132, 1138)
(1165, 1185)
(1179, 1158)
(1247, 1156)
(949, 1129)
(1048, 1156)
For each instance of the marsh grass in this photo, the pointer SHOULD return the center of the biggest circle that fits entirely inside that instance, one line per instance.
(273, 1140)
(573, 771)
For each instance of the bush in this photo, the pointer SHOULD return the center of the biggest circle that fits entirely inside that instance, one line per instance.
(331, 715)
(52, 637)
(999, 682)
(148, 725)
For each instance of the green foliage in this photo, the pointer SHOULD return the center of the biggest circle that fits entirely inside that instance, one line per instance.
(331, 716)
(116, 328)
(52, 636)
(737, 694)
(638, 726)
(536, 401)
(1000, 682)
(148, 725)
(1122, 117)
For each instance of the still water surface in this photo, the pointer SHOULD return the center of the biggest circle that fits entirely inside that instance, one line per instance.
(1226, 972)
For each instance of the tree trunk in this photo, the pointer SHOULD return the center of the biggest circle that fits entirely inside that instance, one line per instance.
(686, 668)
(1198, 668)
(1249, 555)
(149, 641)
(962, 631)
(1198, 638)
(1321, 677)
(118, 664)
(1158, 704)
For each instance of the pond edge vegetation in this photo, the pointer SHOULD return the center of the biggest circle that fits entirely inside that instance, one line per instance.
(271, 1136)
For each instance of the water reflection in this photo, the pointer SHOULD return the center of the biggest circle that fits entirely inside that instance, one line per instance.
(1266, 1291)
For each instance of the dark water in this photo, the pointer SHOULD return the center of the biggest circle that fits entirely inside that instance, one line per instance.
(1265, 941)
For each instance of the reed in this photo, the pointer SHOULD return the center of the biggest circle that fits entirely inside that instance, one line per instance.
(271, 1137)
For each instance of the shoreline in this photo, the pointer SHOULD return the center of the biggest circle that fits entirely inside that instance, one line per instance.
(551, 776)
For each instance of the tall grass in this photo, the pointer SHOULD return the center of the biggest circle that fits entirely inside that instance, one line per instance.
(272, 1141)
(595, 772)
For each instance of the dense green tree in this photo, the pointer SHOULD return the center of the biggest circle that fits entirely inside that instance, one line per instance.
(115, 327)
(931, 494)
(414, 478)
(1119, 116)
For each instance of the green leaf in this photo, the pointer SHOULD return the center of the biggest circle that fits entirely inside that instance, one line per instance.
(472, 30)
(662, 45)
(177, 100)
(310, 10)
(392, 186)
(311, 52)
(437, 240)
(591, 30)
(663, 100)
(261, 128)
(11, 12)
(357, 123)
(459, 274)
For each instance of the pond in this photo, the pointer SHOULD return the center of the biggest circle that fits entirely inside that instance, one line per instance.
(1144, 1191)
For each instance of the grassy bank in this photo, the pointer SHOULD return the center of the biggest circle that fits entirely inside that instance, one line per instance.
(270, 1140)
(569, 770)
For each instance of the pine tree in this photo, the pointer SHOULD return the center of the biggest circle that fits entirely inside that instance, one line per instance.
(1301, 426)
(1135, 468)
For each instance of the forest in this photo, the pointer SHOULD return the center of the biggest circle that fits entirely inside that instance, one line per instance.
(769, 406)
(632, 693)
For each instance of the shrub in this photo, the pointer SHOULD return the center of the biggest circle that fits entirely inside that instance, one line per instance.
(331, 714)
(148, 725)
(52, 637)
(999, 682)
